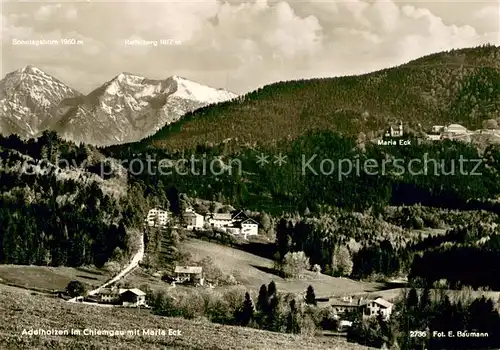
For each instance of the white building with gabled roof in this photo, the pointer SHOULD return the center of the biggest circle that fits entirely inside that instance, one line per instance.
(378, 306)
(157, 217)
(219, 220)
(193, 220)
(249, 227)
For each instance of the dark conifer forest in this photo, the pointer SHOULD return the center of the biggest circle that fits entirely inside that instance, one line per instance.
(55, 215)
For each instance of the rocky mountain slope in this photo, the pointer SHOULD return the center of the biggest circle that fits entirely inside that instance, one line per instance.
(124, 109)
(130, 107)
(29, 100)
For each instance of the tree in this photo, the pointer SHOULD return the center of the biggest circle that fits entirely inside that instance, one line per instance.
(262, 300)
(248, 310)
(266, 224)
(341, 261)
(271, 289)
(316, 268)
(272, 320)
(283, 239)
(294, 263)
(310, 296)
(490, 124)
(292, 324)
(425, 300)
(412, 299)
(76, 289)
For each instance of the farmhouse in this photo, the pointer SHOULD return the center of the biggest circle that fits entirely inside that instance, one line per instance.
(133, 297)
(245, 225)
(191, 274)
(236, 224)
(123, 296)
(249, 227)
(344, 304)
(341, 308)
(109, 295)
(157, 217)
(193, 220)
(379, 305)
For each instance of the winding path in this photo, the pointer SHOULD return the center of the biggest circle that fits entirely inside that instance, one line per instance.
(134, 262)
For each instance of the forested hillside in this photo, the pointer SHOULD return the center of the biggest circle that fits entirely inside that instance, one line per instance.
(294, 186)
(461, 86)
(55, 208)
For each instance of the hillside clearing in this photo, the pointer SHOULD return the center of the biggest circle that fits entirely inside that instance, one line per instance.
(252, 271)
(50, 278)
(21, 310)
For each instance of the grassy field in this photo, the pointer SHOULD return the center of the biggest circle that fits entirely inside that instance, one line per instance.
(50, 278)
(252, 271)
(22, 310)
(249, 269)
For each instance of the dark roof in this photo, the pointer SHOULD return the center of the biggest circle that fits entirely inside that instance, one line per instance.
(240, 215)
(135, 291)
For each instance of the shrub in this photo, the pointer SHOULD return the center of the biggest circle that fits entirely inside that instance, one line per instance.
(192, 305)
(417, 223)
(226, 307)
(228, 280)
(76, 289)
(316, 268)
(112, 267)
(328, 318)
(307, 326)
(187, 305)
(294, 263)
(219, 311)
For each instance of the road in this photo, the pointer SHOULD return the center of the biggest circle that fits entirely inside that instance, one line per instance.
(134, 262)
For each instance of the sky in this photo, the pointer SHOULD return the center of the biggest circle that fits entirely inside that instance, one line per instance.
(235, 45)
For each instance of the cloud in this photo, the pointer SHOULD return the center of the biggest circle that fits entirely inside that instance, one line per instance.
(243, 45)
(45, 12)
(71, 14)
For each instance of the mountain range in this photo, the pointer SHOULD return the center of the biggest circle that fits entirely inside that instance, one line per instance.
(125, 109)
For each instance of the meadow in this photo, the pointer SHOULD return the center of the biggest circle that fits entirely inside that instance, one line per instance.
(23, 310)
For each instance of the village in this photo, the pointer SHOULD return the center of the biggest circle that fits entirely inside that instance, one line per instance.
(237, 224)
(343, 307)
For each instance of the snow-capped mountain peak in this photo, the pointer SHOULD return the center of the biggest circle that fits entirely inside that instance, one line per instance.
(127, 108)
(194, 91)
(29, 98)
(130, 107)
